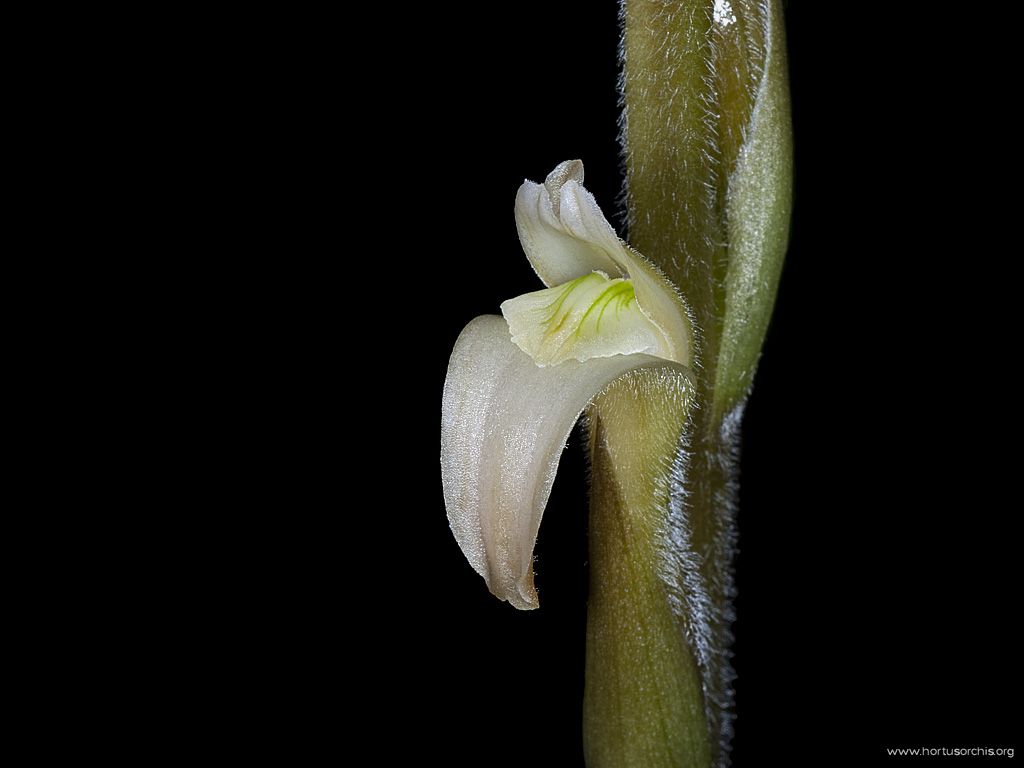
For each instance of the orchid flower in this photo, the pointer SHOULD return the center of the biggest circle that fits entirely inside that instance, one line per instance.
(516, 386)
(662, 381)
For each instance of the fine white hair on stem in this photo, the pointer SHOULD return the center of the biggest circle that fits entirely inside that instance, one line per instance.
(686, 151)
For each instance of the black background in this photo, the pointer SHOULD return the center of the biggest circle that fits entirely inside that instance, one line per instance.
(877, 581)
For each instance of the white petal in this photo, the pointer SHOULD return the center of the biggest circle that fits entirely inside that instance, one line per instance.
(591, 316)
(556, 255)
(566, 236)
(504, 423)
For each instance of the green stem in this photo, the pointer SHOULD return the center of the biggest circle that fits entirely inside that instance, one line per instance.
(643, 705)
(708, 165)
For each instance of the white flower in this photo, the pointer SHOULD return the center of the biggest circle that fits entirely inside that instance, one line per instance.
(566, 237)
(515, 387)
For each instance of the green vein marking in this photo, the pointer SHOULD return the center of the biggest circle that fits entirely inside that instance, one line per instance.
(567, 289)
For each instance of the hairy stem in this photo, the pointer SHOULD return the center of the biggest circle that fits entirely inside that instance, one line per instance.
(643, 705)
(706, 139)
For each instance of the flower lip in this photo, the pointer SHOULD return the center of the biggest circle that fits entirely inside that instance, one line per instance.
(591, 316)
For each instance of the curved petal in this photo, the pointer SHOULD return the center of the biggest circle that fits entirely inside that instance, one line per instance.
(557, 256)
(504, 423)
(565, 236)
